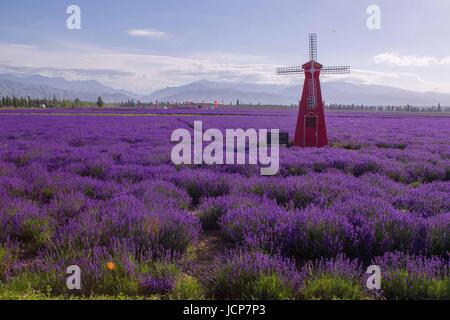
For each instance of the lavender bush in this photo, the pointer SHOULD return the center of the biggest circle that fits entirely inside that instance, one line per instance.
(336, 278)
(254, 275)
(414, 277)
(98, 186)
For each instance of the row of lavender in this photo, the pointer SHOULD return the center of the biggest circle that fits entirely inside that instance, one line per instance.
(92, 190)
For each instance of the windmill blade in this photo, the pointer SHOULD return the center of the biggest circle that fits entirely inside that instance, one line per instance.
(313, 46)
(290, 70)
(335, 70)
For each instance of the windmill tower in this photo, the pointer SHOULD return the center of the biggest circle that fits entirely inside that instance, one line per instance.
(311, 130)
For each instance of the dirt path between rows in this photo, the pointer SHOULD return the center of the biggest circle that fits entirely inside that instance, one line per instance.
(211, 244)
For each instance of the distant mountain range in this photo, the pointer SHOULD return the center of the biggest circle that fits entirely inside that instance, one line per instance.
(38, 86)
(333, 92)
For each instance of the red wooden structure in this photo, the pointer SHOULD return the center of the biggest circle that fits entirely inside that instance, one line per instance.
(311, 130)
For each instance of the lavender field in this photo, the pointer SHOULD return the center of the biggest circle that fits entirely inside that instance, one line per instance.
(97, 189)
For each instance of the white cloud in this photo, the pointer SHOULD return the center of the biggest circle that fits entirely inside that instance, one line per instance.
(135, 71)
(402, 80)
(147, 33)
(144, 72)
(18, 45)
(408, 60)
(228, 57)
(446, 60)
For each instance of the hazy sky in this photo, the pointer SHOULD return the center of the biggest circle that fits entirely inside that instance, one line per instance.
(146, 45)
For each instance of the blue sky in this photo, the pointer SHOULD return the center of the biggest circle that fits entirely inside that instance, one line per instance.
(146, 45)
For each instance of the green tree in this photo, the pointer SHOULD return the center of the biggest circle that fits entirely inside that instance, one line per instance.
(100, 102)
(54, 101)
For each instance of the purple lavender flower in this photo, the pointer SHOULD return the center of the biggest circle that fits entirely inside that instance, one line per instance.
(253, 275)
(156, 285)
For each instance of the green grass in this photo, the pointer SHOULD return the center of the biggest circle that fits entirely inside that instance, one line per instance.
(404, 286)
(187, 288)
(329, 287)
(262, 286)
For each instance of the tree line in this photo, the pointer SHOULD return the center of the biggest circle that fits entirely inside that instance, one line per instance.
(407, 108)
(15, 102)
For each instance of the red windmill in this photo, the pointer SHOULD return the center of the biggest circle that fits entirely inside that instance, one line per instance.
(311, 130)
